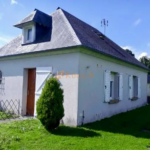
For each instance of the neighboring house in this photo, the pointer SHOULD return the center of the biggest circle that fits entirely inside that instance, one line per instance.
(99, 78)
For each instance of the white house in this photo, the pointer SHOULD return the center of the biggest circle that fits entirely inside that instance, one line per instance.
(99, 78)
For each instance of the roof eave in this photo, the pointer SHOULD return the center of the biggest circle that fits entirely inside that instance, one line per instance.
(22, 24)
(77, 46)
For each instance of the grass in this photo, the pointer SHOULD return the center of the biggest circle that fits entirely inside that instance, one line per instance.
(5, 115)
(120, 132)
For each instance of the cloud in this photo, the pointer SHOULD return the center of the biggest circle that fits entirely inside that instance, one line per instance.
(14, 2)
(127, 47)
(137, 22)
(143, 54)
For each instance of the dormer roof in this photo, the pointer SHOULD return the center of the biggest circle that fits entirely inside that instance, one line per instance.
(38, 17)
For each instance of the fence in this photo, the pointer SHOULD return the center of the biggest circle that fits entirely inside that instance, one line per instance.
(9, 109)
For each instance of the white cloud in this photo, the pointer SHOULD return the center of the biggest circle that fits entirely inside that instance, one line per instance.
(14, 2)
(137, 22)
(127, 47)
(143, 54)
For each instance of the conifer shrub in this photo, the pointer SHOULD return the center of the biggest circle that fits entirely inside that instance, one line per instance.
(50, 108)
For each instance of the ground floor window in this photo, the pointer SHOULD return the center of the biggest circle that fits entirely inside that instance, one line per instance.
(113, 86)
(134, 87)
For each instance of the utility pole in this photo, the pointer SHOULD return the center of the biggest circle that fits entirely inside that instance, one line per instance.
(104, 23)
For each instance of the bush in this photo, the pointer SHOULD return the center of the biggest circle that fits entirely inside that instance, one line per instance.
(50, 104)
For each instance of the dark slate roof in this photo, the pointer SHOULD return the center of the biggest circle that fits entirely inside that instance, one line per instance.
(148, 78)
(69, 31)
(36, 16)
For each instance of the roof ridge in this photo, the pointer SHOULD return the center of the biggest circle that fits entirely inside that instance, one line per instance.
(81, 20)
(41, 12)
(73, 33)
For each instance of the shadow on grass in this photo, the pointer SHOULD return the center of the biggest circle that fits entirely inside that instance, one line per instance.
(129, 123)
(77, 132)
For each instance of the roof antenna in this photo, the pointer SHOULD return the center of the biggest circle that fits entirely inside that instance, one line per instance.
(104, 23)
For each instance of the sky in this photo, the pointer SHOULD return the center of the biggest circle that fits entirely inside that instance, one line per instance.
(129, 20)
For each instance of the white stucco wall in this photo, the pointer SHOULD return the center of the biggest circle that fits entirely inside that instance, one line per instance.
(91, 90)
(80, 94)
(15, 74)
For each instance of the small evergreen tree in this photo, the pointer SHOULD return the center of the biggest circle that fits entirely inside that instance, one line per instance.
(50, 104)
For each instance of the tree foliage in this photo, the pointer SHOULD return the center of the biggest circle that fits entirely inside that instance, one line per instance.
(130, 52)
(146, 61)
(50, 104)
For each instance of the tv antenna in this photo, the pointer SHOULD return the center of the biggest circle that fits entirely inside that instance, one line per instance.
(104, 23)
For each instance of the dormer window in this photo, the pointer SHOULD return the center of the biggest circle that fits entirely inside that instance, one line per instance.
(29, 36)
(35, 27)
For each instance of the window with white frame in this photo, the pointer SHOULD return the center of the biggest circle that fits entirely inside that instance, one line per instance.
(134, 87)
(113, 86)
(29, 34)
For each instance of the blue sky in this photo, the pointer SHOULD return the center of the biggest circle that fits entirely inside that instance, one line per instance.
(129, 21)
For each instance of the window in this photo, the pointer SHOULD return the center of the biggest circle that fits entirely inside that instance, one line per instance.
(135, 86)
(113, 86)
(29, 35)
(0, 77)
(114, 89)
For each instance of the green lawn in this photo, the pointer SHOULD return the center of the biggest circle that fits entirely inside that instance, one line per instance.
(120, 132)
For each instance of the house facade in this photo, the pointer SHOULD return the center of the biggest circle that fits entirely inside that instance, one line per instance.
(98, 77)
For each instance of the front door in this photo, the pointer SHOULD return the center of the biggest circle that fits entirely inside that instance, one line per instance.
(31, 92)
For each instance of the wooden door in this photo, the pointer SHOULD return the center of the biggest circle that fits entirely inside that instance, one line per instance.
(31, 91)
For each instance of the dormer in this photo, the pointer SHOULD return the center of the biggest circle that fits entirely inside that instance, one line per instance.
(35, 27)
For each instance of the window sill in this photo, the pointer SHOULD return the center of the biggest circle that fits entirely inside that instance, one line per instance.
(134, 98)
(114, 101)
(27, 43)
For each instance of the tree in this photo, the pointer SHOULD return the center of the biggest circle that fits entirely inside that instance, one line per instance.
(130, 52)
(50, 104)
(146, 61)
